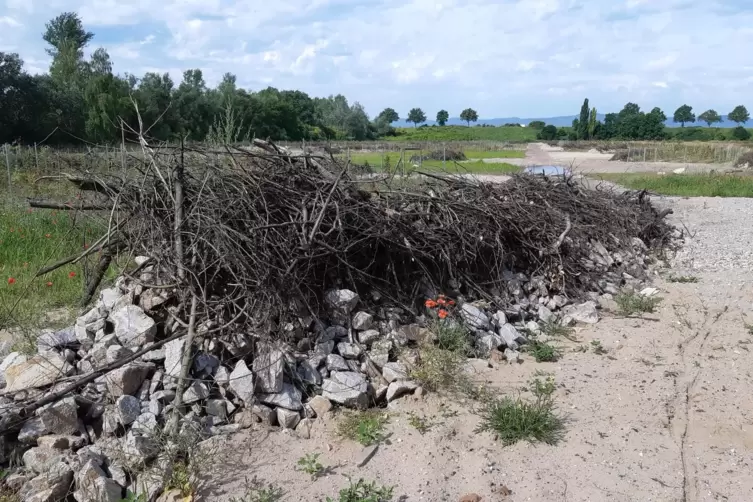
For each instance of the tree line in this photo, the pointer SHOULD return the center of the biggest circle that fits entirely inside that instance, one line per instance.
(631, 123)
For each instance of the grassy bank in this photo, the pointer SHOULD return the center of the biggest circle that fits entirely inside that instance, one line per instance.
(686, 185)
(464, 133)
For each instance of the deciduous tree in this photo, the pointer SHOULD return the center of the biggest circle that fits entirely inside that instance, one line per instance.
(739, 115)
(442, 117)
(416, 116)
(683, 115)
(710, 117)
(469, 115)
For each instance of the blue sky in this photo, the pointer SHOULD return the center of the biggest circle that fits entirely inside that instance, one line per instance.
(526, 58)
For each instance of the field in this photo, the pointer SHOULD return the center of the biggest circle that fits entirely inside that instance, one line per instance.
(686, 185)
(463, 133)
(383, 161)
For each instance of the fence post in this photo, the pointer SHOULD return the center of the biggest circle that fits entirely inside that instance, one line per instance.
(7, 165)
(444, 156)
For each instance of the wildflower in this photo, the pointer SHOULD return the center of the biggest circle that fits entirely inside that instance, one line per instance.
(26, 264)
(49, 284)
(450, 302)
(442, 313)
(441, 301)
(47, 235)
(11, 281)
(430, 304)
(71, 274)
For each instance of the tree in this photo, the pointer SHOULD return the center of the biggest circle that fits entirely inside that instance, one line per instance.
(100, 63)
(683, 115)
(66, 30)
(416, 116)
(741, 134)
(739, 115)
(388, 115)
(469, 115)
(547, 133)
(442, 117)
(592, 122)
(582, 130)
(656, 111)
(538, 124)
(710, 117)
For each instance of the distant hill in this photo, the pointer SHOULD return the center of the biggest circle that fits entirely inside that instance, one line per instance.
(566, 120)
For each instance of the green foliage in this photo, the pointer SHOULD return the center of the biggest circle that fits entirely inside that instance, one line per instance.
(513, 420)
(740, 133)
(451, 335)
(710, 117)
(469, 115)
(536, 124)
(464, 133)
(440, 369)
(547, 133)
(364, 492)
(543, 352)
(419, 423)
(442, 117)
(631, 303)
(683, 279)
(598, 348)
(388, 115)
(416, 116)
(582, 124)
(309, 463)
(181, 480)
(739, 115)
(683, 115)
(256, 492)
(686, 185)
(365, 427)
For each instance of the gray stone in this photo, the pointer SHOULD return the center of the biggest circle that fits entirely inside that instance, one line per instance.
(268, 368)
(93, 485)
(499, 319)
(369, 336)
(394, 371)
(349, 350)
(222, 376)
(399, 388)
(533, 327)
(146, 423)
(353, 365)
(40, 458)
(61, 442)
(559, 300)
(118, 474)
(347, 388)
(585, 312)
(380, 352)
(512, 356)
(140, 448)
(127, 380)
(217, 408)
(196, 391)
(265, 414)
(60, 417)
(205, 363)
(342, 300)
(164, 396)
(511, 336)
(174, 356)
(287, 419)
(152, 298)
(98, 353)
(488, 342)
(110, 299)
(474, 317)
(57, 339)
(289, 398)
(362, 321)
(336, 363)
(155, 407)
(51, 486)
(410, 332)
(116, 353)
(308, 373)
(242, 382)
(321, 405)
(154, 355)
(32, 430)
(546, 315)
(91, 316)
(129, 408)
(9, 360)
(39, 371)
(324, 348)
(303, 429)
(133, 328)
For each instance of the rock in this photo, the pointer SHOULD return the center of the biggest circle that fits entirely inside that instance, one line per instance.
(369, 336)
(60, 442)
(9, 360)
(127, 380)
(173, 495)
(533, 327)
(346, 388)
(164, 396)
(146, 423)
(242, 382)
(133, 328)
(51, 486)
(559, 301)
(287, 419)
(546, 315)
(394, 371)
(32, 430)
(15, 481)
(380, 352)
(499, 319)
(289, 398)
(366, 454)
(205, 363)
(57, 340)
(155, 407)
(154, 355)
(349, 350)
(585, 312)
(222, 376)
(267, 368)
(118, 474)
(265, 414)
(40, 458)
(399, 388)
(512, 356)
(324, 349)
(342, 300)
(474, 317)
(649, 292)
(303, 429)
(362, 321)
(336, 363)
(116, 353)
(60, 417)
(140, 448)
(335, 332)
(174, 356)
(93, 485)
(510, 336)
(39, 371)
(471, 497)
(308, 373)
(196, 391)
(152, 298)
(217, 408)
(321, 405)
(488, 342)
(129, 408)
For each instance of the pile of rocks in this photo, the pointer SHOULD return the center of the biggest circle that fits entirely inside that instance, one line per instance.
(94, 442)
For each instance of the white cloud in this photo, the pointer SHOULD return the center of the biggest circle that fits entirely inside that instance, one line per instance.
(517, 57)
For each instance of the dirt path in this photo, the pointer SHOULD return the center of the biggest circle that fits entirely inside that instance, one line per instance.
(664, 415)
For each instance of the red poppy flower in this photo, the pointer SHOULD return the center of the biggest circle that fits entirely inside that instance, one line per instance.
(430, 303)
(71, 274)
(450, 302)
(441, 301)
(11, 280)
(442, 313)
(49, 284)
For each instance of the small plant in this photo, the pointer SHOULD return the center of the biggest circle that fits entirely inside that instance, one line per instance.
(683, 279)
(6, 494)
(542, 389)
(451, 336)
(309, 463)
(440, 369)
(598, 348)
(631, 303)
(556, 330)
(513, 420)
(543, 352)
(366, 427)
(419, 423)
(749, 329)
(130, 497)
(364, 492)
(256, 492)
(181, 480)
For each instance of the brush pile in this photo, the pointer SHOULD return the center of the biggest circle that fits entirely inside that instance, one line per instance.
(269, 286)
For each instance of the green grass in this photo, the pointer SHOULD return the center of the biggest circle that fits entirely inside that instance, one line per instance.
(683, 279)
(686, 185)
(543, 352)
(451, 336)
(495, 154)
(631, 303)
(514, 420)
(380, 160)
(362, 491)
(464, 133)
(365, 427)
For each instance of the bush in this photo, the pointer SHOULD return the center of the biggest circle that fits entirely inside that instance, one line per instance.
(548, 133)
(745, 160)
(740, 133)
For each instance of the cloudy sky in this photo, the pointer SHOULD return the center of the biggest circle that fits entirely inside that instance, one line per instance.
(526, 58)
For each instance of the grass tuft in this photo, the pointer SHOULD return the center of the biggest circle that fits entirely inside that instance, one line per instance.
(362, 491)
(543, 352)
(440, 369)
(683, 279)
(452, 336)
(687, 185)
(514, 420)
(365, 427)
(631, 303)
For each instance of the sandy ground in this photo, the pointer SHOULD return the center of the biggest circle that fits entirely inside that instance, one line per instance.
(665, 415)
(587, 163)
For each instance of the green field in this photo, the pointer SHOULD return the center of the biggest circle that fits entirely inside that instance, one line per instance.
(686, 185)
(379, 161)
(463, 133)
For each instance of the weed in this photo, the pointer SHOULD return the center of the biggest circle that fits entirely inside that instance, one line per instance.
(542, 389)
(257, 492)
(749, 329)
(364, 492)
(6, 494)
(543, 352)
(683, 279)
(440, 369)
(513, 420)
(631, 303)
(309, 463)
(451, 336)
(365, 427)
(181, 480)
(130, 497)
(556, 330)
(419, 423)
(598, 348)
